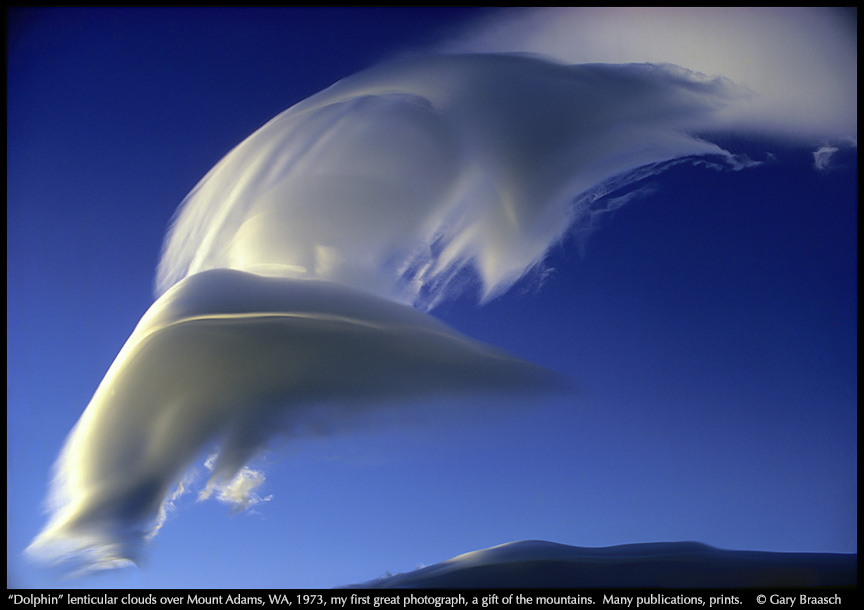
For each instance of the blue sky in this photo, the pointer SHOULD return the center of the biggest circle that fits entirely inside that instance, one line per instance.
(709, 324)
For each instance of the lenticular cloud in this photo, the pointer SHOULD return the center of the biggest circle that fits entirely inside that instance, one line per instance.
(405, 177)
(231, 357)
(296, 275)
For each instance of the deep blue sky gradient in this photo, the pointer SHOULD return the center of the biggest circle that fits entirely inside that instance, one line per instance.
(710, 326)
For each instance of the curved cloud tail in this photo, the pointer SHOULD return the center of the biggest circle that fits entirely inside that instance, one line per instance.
(402, 178)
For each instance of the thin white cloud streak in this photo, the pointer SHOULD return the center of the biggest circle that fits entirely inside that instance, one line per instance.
(822, 157)
(390, 189)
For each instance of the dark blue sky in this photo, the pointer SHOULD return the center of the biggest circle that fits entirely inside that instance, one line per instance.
(711, 325)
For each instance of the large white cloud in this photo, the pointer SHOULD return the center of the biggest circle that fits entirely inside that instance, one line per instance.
(402, 177)
(228, 359)
(290, 270)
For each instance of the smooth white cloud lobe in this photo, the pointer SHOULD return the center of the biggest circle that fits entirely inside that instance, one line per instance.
(294, 273)
(233, 358)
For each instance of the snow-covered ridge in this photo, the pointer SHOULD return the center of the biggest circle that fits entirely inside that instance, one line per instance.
(540, 564)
